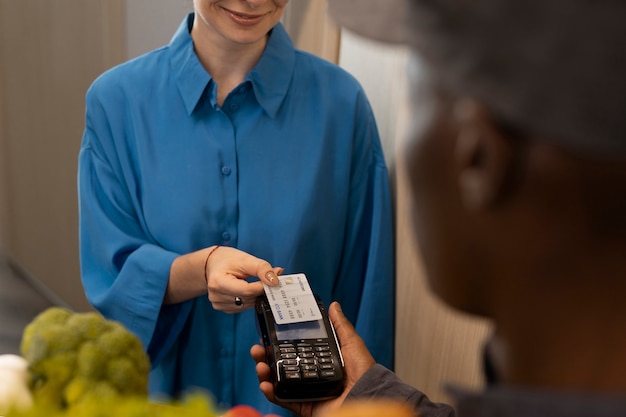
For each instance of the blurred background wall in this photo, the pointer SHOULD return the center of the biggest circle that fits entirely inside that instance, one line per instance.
(51, 51)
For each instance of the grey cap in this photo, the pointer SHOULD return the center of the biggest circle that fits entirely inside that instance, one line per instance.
(554, 67)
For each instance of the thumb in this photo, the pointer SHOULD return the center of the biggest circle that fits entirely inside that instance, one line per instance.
(355, 354)
(343, 327)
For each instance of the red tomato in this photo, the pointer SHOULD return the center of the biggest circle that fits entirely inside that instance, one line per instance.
(242, 411)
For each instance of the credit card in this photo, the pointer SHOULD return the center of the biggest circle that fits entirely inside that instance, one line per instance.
(292, 301)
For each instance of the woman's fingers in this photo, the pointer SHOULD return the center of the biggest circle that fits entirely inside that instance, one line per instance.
(228, 272)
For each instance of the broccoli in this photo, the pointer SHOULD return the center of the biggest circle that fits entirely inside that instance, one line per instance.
(77, 357)
(195, 405)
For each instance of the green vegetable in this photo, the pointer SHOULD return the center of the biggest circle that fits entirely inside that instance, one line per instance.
(196, 405)
(80, 359)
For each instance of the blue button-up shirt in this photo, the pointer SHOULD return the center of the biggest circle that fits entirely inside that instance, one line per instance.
(289, 169)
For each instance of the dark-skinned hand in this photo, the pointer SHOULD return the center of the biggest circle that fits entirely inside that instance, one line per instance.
(357, 360)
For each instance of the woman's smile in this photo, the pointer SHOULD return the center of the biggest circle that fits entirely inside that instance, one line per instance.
(245, 19)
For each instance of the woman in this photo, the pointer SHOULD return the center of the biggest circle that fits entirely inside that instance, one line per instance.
(207, 161)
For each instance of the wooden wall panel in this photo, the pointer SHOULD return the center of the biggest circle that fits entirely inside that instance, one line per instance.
(51, 52)
(311, 29)
(4, 219)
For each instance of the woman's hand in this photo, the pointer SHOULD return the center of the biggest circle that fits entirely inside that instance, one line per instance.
(227, 270)
(222, 272)
(357, 360)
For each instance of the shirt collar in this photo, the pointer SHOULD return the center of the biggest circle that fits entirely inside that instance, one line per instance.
(270, 78)
(191, 77)
(272, 75)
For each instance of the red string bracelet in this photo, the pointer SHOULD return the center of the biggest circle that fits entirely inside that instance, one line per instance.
(206, 262)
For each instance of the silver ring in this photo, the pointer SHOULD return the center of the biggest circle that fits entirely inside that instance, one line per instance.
(238, 301)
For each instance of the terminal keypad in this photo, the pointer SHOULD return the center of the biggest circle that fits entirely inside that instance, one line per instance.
(307, 361)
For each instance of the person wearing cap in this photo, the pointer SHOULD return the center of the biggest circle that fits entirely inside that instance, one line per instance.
(218, 161)
(517, 165)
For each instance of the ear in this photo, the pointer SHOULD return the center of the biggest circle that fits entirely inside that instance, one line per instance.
(483, 155)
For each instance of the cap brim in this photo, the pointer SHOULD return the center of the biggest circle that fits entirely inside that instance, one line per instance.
(382, 20)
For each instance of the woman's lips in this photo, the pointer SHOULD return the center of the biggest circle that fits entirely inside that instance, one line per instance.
(243, 18)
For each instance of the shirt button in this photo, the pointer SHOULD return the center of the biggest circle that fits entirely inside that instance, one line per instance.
(234, 107)
(225, 170)
(226, 236)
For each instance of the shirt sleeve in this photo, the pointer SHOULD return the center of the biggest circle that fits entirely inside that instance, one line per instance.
(369, 248)
(379, 382)
(375, 321)
(124, 272)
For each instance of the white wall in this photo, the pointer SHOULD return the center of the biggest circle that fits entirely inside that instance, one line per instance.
(151, 23)
(381, 69)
